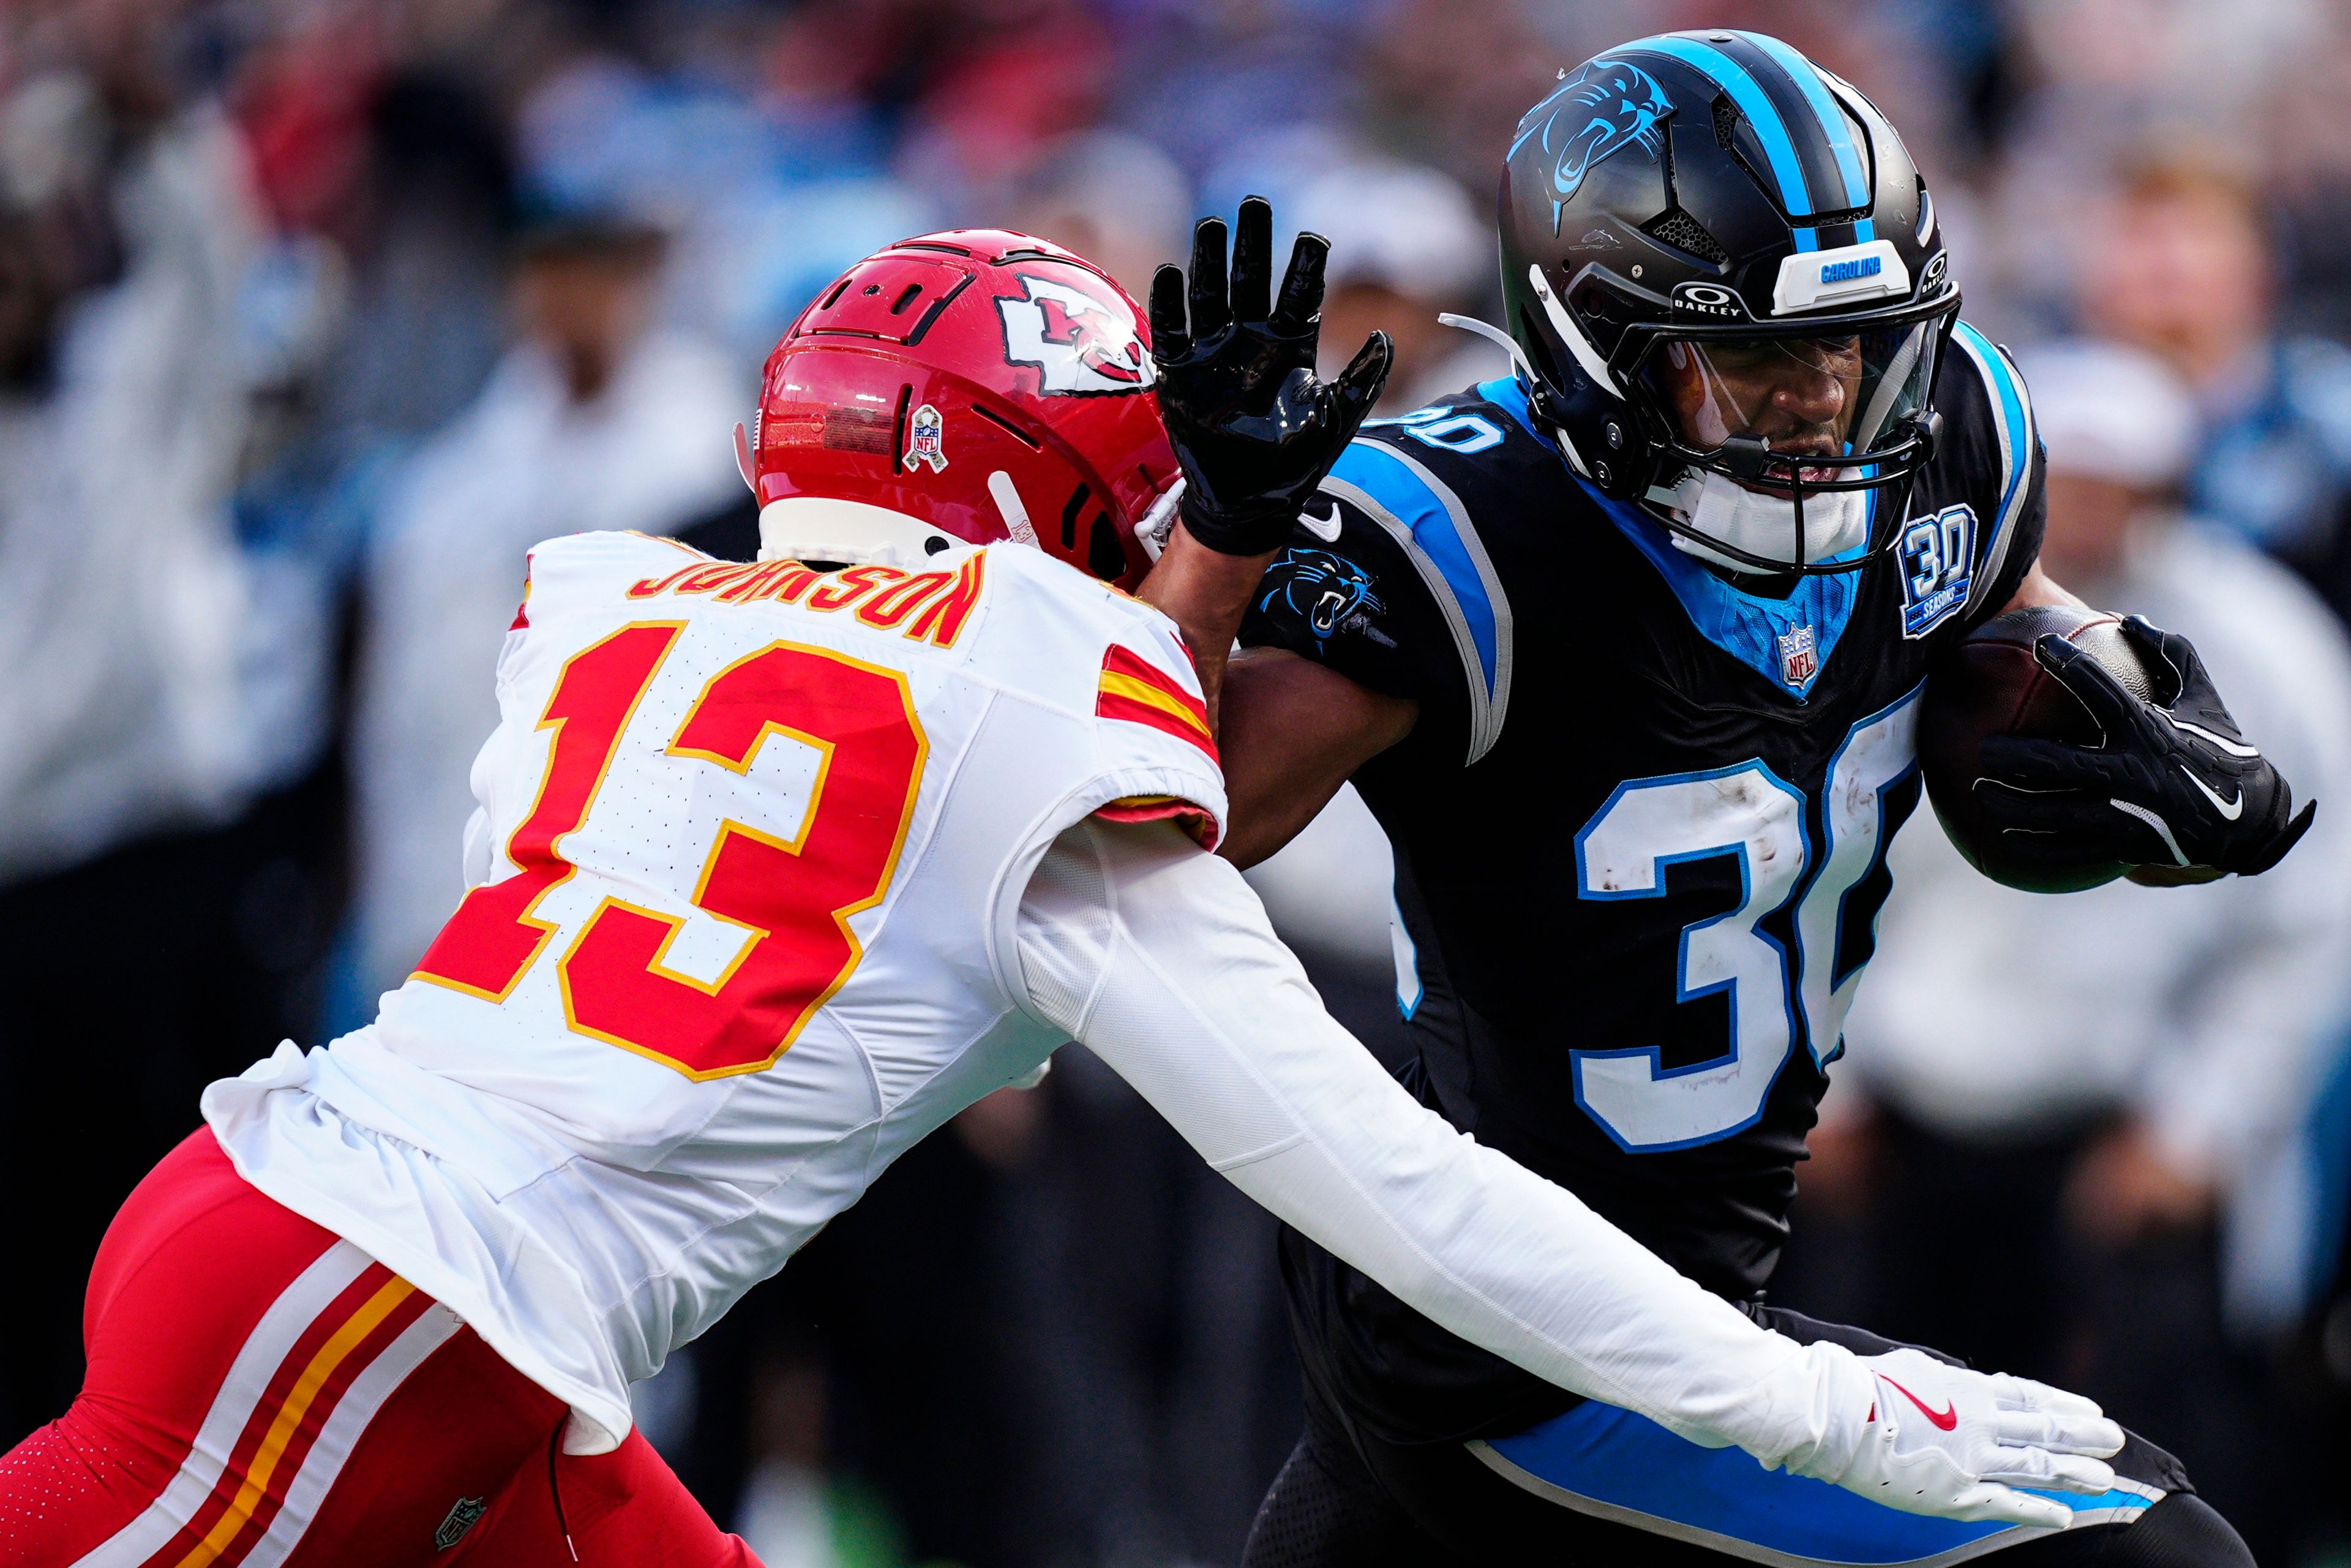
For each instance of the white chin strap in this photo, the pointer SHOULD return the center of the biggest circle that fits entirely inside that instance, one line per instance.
(814, 527)
(1762, 526)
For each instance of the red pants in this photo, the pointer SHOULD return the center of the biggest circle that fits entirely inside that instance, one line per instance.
(262, 1393)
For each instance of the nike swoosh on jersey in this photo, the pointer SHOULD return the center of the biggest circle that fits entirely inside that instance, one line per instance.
(2230, 809)
(1323, 528)
(1944, 1419)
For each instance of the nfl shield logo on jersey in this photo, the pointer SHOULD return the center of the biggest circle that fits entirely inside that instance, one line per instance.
(925, 439)
(461, 1518)
(1800, 657)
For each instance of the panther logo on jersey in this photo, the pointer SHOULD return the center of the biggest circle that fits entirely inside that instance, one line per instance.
(1080, 343)
(1324, 588)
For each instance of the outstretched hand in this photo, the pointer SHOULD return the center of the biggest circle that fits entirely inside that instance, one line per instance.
(1253, 427)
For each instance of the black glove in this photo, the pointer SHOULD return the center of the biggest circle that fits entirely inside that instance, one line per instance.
(2172, 785)
(1254, 429)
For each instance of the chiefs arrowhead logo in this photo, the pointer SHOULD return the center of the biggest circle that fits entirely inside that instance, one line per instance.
(1080, 343)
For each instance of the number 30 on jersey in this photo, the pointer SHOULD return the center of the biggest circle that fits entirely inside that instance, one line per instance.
(1748, 812)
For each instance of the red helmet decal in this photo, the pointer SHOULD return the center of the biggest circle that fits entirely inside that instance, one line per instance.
(1079, 342)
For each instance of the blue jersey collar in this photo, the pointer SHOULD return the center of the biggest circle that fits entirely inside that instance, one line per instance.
(1786, 640)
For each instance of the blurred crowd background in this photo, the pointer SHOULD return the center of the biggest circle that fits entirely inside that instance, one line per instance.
(313, 314)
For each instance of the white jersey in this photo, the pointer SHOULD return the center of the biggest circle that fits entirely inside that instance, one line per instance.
(751, 844)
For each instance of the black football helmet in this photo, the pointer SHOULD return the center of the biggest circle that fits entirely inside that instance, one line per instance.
(1721, 268)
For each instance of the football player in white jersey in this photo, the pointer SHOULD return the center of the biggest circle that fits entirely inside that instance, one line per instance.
(778, 866)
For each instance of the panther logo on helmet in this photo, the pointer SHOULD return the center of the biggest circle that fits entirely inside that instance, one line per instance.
(1080, 343)
(1608, 105)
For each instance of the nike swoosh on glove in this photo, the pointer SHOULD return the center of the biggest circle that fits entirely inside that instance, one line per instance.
(1253, 428)
(1945, 1440)
(2173, 784)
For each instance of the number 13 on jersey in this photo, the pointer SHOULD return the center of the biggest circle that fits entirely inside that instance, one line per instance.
(792, 898)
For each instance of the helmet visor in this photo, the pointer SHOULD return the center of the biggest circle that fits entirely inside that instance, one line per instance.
(1837, 397)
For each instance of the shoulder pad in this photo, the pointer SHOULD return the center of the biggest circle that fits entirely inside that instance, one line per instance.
(1990, 422)
(1046, 586)
(575, 569)
(1063, 635)
(1397, 476)
(1151, 721)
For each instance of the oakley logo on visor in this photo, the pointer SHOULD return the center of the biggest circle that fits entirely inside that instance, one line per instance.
(1708, 299)
(1811, 278)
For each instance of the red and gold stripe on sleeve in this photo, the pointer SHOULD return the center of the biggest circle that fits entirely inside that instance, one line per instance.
(1137, 691)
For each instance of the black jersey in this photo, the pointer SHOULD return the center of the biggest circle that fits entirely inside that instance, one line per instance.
(1640, 827)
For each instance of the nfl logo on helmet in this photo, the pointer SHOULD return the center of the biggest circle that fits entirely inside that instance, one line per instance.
(926, 440)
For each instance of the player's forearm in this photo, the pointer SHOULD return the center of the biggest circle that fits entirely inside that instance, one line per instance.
(1522, 1267)
(1200, 1008)
(1295, 731)
(1206, 593)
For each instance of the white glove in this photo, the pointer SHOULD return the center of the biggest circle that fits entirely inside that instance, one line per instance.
(1943, 1440)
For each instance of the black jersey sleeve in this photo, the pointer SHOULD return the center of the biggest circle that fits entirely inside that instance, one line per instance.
(1388, 579)
(1355, 603)
(1358, 604)
(1988, 418)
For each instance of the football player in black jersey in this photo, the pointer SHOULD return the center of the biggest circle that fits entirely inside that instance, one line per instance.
(1626, 651)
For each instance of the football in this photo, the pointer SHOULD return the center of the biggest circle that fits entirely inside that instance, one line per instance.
(1991, 684)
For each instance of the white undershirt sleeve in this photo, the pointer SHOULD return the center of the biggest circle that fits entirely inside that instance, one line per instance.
(1160, 959)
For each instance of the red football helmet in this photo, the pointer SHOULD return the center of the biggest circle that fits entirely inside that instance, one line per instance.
(988, 384)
